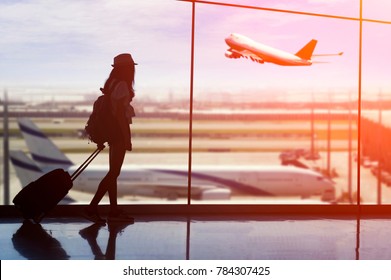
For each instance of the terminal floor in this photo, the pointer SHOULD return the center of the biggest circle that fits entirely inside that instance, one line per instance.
(198, 238)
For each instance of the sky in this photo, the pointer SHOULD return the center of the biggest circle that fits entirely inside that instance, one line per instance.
(67, 47)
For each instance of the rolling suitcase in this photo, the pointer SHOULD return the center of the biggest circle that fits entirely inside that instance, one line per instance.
(40, 196)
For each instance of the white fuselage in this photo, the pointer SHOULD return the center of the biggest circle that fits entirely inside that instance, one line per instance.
(207, 181)
(265, 53)
(258, 181)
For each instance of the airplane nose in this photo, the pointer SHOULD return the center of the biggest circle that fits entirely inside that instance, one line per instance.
(229, 38)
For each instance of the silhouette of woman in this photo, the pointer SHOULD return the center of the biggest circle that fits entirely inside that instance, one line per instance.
(119, 86)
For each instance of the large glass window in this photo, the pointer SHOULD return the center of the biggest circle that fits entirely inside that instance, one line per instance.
(376, 129)
(254, 118)
(261, 132)
(53, 64)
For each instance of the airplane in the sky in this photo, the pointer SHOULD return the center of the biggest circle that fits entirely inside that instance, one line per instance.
(242, 46)
(166, 181)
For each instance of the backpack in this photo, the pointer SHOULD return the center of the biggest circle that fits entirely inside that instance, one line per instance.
(102, 126)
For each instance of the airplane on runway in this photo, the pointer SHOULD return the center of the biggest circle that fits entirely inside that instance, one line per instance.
(208, 182)
(242, 46)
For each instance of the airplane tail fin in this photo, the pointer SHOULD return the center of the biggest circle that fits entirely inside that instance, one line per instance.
(43, 151)
(26, 169)
(307, 50)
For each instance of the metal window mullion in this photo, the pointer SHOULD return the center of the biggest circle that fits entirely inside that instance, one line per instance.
(191, 107)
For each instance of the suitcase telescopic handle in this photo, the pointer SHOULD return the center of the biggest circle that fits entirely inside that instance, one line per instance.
(86, 163)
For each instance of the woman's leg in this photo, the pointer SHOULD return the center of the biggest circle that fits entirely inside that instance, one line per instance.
(100, 192)
(109, 182)
(117, 155)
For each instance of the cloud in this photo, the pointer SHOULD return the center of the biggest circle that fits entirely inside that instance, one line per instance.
(95, 24)
(50, 38)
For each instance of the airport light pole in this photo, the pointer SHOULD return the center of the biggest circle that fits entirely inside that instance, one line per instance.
(312, 125)
(329, 138)
(350, 150)
(190, 152)
(6, 150)
(379, 152)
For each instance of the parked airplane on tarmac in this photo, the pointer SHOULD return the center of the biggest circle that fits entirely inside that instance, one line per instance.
(242, 46)
(208, 182)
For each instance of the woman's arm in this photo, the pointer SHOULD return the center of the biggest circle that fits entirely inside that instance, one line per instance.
(123, 123)
(119, 98)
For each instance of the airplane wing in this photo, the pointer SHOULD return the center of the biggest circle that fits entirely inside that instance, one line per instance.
(253, 57)
(231, 53)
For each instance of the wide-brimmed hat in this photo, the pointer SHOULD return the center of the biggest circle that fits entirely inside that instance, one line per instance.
(123, 59)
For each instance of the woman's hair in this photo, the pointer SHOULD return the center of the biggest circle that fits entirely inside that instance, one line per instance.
(122, 73)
